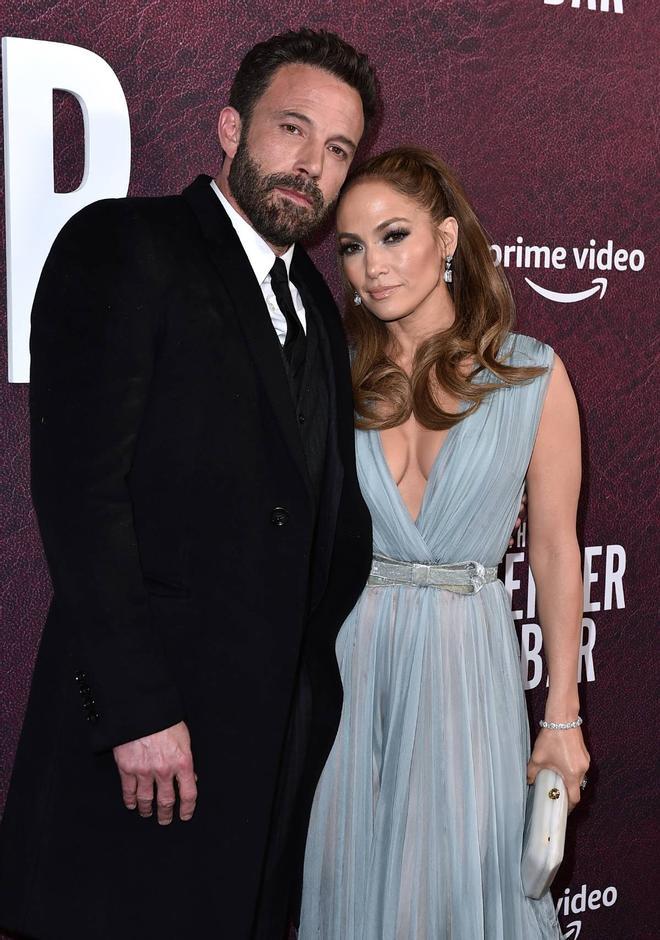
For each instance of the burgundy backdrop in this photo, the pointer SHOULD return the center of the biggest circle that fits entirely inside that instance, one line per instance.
(547, 112)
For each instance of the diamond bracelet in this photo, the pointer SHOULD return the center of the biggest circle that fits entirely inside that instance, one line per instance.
(561, 725)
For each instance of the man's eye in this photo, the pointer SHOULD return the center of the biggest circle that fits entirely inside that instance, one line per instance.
(290, 128)
(338, 151)
(348, 248)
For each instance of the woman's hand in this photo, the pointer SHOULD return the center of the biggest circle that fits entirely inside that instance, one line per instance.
(563, 751)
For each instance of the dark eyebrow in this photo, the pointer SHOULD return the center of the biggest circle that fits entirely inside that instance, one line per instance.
(295, 114)
(398, 218)
(340, 138)
(379, 228)
(346, 141)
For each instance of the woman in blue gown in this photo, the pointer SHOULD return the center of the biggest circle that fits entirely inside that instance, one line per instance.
(417, 823)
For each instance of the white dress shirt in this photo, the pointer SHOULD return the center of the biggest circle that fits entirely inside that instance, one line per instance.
(262, 258)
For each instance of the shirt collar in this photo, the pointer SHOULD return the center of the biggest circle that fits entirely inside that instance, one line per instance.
(260, 255)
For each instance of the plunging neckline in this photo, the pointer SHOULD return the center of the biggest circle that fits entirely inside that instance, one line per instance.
(432, 471)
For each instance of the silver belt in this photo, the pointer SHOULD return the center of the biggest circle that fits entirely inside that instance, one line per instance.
(466, 577)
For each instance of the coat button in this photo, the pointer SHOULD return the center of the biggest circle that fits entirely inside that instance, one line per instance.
(301, 419)
(279, 516)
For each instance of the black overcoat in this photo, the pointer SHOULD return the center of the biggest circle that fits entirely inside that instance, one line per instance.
(192, 580)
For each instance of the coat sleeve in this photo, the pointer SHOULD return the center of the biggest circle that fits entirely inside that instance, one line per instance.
(95, 326)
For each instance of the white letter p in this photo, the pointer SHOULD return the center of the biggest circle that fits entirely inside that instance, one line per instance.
(32, 70)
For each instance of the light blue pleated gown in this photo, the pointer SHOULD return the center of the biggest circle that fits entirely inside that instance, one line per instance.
(416, 828)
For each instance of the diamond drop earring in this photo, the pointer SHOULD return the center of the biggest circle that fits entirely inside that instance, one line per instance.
(448, 275)
(357, 300)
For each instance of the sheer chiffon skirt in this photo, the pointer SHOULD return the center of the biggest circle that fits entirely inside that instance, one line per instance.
(416, 829)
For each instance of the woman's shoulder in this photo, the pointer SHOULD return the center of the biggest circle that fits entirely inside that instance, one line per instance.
(521, 350)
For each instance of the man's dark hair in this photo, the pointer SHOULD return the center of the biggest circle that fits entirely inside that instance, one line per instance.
(322, 49)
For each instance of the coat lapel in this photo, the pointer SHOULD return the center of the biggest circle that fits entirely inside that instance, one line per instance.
(332, 347)
(249, 308)
(310, 282)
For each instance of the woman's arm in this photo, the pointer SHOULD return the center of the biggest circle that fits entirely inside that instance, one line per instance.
(553, 486)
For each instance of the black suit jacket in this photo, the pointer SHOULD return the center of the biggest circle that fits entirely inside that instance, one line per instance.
(193, 579)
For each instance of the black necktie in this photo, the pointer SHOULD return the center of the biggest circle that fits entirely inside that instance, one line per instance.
(294, 344)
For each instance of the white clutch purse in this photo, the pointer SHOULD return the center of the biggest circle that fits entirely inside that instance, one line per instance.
(545, 831)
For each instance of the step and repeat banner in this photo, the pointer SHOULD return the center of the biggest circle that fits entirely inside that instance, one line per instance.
(546, 110)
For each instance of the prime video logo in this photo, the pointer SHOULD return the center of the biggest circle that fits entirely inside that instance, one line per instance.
(579, 902)
(603, 6)
(591, 257)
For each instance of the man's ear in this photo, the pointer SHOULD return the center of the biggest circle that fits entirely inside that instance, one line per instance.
(229, 131)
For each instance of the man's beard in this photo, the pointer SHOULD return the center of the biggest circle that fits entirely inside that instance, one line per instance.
(278, 220)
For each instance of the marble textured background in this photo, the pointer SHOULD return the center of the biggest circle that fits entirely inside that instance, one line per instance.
(547, 112)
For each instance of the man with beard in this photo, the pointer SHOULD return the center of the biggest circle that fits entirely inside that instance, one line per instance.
(194, 481)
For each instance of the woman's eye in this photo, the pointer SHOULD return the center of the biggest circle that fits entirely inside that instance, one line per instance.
(394, 236)
(348, 248)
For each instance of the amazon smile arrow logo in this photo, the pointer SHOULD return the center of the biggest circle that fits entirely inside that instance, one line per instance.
(597, 263)
(574, 929)
(564, 298)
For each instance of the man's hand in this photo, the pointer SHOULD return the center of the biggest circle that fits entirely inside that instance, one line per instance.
(158, 759)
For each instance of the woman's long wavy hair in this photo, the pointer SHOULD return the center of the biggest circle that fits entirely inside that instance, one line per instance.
(385, 396)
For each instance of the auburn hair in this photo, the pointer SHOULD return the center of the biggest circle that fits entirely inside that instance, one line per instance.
(385, 396)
